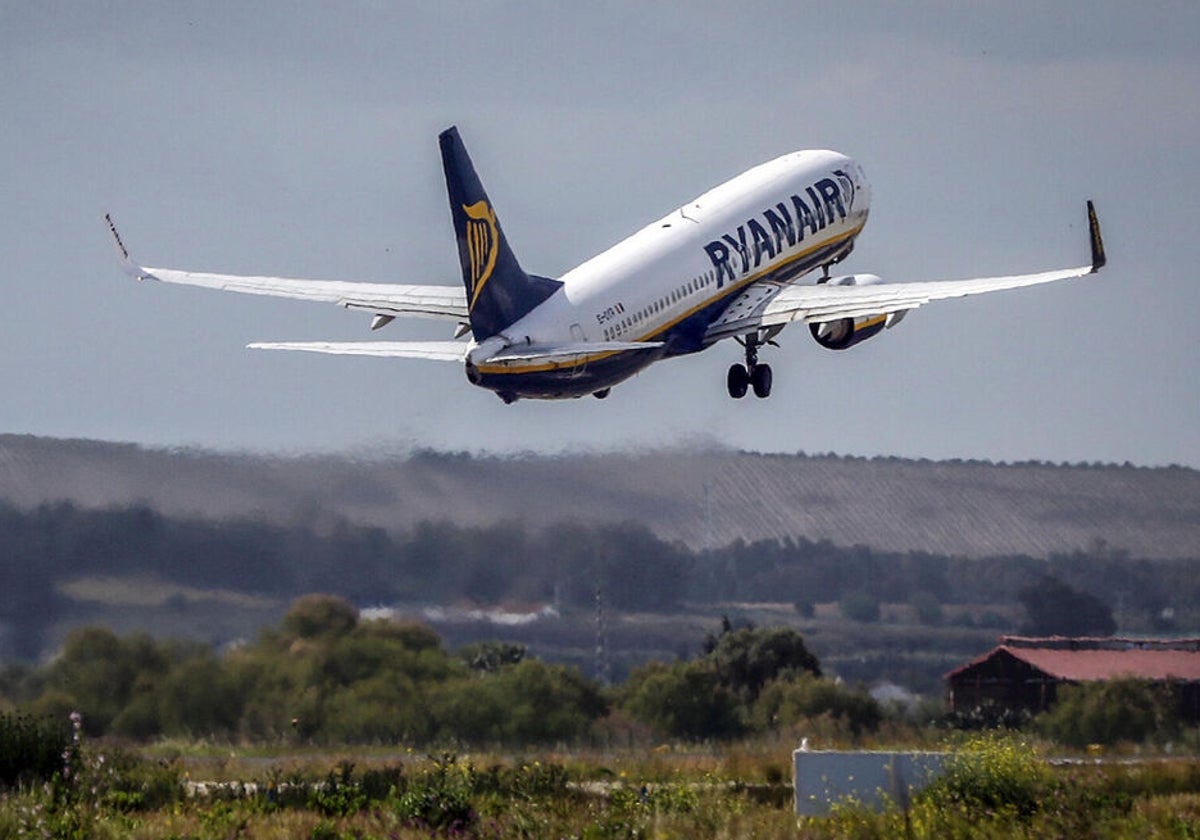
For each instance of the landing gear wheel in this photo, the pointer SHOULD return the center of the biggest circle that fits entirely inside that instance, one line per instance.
(601, 394)
(760, 379)
(752, 374)
(738, 381)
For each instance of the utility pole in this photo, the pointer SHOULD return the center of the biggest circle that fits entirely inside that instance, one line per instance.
(603, 674)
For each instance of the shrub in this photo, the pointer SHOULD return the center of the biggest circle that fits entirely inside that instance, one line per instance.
(339, 795)
(1108, 712)
(788, 702)
(987, 715)
(128, 782)
(927, 607)
(31, 749)
(993, 774)
(685, 699)
(440, 799)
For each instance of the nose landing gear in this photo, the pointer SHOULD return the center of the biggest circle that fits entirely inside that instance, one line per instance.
(742, 378)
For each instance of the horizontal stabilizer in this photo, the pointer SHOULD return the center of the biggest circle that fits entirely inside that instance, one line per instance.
(564, 352)
(441, 351)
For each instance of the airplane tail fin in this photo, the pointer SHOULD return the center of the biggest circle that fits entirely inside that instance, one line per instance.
(499, 292)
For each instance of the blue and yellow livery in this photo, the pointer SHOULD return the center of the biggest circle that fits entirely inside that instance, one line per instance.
(724, 265)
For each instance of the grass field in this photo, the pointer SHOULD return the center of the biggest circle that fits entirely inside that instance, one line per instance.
(1001, 788)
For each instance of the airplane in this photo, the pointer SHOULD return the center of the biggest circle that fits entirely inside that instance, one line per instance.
(722, 266)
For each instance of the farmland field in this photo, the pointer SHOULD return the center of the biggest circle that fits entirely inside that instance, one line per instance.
(741, 791)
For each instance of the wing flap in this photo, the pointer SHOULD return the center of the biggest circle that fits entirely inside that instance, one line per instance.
(815, 304)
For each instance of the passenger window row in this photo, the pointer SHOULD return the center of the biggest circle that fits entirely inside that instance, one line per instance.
(622, 328)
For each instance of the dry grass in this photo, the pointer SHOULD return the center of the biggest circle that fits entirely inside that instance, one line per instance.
(150, 591)
(667, 792)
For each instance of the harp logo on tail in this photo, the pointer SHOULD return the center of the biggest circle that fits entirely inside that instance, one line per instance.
(483, 245)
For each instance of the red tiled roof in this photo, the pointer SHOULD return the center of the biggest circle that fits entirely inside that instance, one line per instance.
(1092, 665)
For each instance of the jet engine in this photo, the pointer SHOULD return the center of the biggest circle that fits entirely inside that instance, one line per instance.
(846, 332)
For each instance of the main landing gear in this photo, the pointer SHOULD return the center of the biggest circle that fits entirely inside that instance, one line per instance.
(754, 375)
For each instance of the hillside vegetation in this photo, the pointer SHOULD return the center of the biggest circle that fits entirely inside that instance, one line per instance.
(894, 570)
(703, 498)
(603, 596)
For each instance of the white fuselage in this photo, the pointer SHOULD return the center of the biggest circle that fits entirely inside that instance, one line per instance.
(675, 277)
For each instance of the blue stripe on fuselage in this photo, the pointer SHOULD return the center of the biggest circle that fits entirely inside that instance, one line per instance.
(788, 270)
(570, 381)
(681, 337)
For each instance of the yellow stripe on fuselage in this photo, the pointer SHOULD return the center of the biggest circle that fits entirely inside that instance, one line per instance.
(542, 367)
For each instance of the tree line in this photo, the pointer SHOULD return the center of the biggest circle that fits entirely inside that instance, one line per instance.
(326, 676)
(567, 563)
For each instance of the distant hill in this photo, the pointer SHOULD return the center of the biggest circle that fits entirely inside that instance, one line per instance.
(702, 497)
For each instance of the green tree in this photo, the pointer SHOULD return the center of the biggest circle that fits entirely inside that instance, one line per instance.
(313, 616)
(99, 671)
(860, 606)
(200, 698)
(683, 700)
(1057, 609)
(527, 703)
(340, 681)
(491, 656)
(382, 681)
(549, 702)
(748, 658)
(713, 696)
(786, 702)
(389, 707)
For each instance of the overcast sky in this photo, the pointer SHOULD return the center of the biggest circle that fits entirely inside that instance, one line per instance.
(299, 139)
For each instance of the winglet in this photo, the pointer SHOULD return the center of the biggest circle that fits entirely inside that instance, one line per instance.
(127, 264)
(1098, 258)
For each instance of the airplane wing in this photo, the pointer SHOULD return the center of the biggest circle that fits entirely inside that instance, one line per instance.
(817, 304)
(385, 300)
(775, 305)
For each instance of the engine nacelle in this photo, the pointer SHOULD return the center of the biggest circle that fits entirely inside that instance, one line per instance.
(846, 332)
